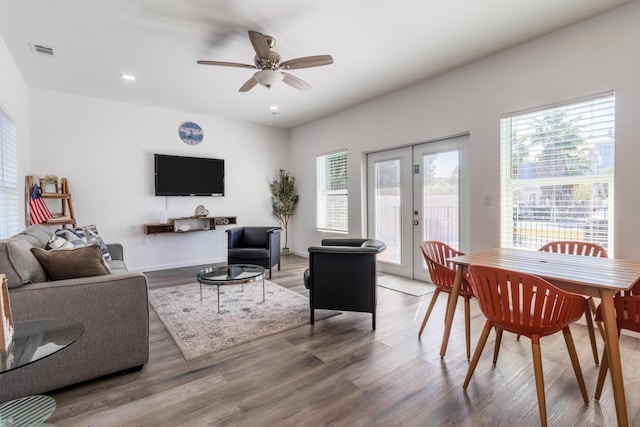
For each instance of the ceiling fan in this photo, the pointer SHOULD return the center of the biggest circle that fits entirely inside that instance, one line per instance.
(270, 65)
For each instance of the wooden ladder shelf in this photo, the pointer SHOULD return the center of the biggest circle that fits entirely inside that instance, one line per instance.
(66, 215)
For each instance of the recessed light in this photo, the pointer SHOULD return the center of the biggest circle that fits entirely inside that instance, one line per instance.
(273, 108)
(128, 76)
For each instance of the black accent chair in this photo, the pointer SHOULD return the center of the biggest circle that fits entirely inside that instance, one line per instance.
(342, 275)
(254, 245)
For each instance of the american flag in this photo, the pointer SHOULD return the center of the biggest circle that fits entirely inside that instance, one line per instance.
(38, 210)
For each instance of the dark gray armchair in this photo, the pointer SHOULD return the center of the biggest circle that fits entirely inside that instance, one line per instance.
(342, 275)
(254, 245)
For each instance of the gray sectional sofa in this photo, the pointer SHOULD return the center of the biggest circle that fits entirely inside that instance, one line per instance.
(113, 308)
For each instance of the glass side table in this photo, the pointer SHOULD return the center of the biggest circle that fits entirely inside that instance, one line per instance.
(34, 340)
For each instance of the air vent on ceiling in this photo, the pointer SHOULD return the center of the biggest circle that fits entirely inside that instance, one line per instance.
(41, 49)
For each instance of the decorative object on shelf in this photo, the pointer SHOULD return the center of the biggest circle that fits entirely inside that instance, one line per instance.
(49, 184)
(201, 212)
(184, 227)
(284, 200)
(6, 332)
(222, 221)
(191, 133)
(38, 210)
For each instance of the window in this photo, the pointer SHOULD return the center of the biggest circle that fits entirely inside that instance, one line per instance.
(557, 168)
(332, 194)
(9, 223)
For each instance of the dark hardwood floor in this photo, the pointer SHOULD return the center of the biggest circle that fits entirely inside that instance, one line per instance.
(340, 372)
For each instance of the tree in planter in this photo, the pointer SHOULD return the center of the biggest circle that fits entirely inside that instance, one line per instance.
(284, 200)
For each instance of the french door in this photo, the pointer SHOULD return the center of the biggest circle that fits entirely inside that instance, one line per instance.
(414, 194)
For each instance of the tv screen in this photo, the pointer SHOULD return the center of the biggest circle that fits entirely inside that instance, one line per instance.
(188, 176)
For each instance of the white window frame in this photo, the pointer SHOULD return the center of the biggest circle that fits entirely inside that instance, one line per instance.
(522, 223)
(331, 216)
(9, 207)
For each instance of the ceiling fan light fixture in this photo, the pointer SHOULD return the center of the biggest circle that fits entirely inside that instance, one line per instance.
(269, 63)
(268, 78)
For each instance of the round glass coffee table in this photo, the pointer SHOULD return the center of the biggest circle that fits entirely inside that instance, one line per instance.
(34, 340)
(234, 274)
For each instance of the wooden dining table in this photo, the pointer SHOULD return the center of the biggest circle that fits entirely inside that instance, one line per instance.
(596, 277)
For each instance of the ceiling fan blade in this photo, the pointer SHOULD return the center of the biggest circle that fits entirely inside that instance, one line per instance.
(249, 84)
(260, 44)
(226, 64)
(307, 62)
(295, 82)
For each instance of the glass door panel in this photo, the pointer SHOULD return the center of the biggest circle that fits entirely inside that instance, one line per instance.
(387, 205)
(441, 200)
(389, 191)
(440, 189)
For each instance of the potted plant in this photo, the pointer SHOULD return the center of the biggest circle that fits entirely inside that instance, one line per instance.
(284, 199)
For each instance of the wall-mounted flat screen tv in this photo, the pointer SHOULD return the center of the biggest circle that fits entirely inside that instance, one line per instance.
(188, 176)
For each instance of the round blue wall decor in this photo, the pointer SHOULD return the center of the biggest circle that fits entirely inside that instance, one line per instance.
(191, 133)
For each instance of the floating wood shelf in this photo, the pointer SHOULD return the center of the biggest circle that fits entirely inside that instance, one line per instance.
(189, 224)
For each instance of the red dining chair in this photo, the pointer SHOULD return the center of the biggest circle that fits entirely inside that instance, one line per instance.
(530, 306)
(584, 249)
(627, 305)
(573, 248)
(442, 274)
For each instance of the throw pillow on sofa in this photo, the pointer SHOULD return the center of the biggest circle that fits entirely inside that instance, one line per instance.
(60, 264)
(89, 233)
(57, 242)
(78, 237)
(18, 263)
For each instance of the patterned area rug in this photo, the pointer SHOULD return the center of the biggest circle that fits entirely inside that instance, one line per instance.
(404, 285)
(199, 330)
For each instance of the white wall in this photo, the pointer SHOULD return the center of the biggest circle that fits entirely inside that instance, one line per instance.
(14, 101)
(591, 57)
(106, 150)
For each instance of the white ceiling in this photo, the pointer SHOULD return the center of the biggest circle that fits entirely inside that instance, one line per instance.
(378, 46)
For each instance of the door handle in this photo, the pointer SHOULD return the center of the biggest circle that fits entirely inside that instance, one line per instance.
(416, 222)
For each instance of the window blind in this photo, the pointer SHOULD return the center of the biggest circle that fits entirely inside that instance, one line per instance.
(557, 174)
(332, 194)
(9, 221)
